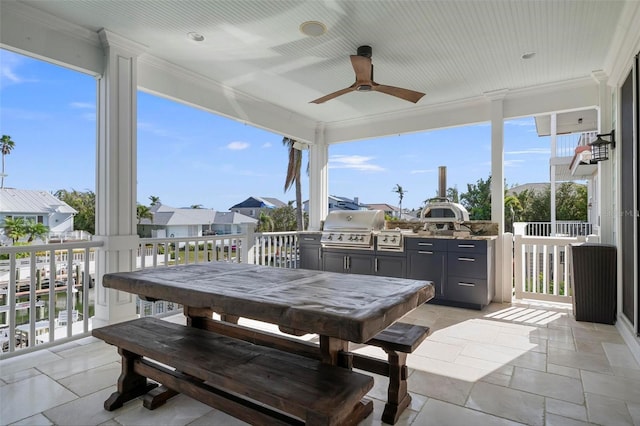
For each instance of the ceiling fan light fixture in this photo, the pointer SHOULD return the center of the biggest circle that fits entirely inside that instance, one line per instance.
(364, 88)
(195, 36)
(313, 28)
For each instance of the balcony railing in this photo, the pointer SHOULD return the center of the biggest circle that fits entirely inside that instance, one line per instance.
(566, 144)
(541, 270)
(46, 294)
(543, 229)
(279, 249)
(36, 314)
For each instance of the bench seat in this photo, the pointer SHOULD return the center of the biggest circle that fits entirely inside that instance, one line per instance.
(233, 375)
(397, 340)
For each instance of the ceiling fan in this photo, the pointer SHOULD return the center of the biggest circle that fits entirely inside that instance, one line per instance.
(364, 80)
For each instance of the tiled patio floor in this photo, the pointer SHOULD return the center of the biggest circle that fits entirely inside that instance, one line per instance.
(509, 364)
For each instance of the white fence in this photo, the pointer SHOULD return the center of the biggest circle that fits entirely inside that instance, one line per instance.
(541, 269)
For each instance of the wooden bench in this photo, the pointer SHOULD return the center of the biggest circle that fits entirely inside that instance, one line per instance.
(397, 341)
(257, 384)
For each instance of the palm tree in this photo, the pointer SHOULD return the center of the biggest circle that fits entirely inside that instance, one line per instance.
(265, 223)
(143, 212)
(400, 191)
(293, 177)
(15, 228)
(154, 200)
(6, 145)
(36, 230)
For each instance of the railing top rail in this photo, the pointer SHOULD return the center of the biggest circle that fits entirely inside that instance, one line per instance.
(49, 247)
(525, 239)
(196, 238)
(268, 234)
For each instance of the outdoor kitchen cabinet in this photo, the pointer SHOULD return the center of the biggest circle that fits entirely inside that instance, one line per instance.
(426, 260)
(310, 251)
(390, 264)
(470, 272)
(348, 261)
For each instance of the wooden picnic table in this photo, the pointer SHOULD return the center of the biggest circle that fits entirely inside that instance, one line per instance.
(340, 308)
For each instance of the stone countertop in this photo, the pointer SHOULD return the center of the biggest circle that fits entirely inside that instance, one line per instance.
(423, 234)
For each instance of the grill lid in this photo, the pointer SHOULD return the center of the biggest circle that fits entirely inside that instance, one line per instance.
(354, 220)
(347, 228)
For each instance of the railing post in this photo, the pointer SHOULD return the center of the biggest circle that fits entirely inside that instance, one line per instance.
(504, 267)
(247, 254)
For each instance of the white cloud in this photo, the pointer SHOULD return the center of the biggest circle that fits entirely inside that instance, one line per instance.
(513, 163)
(267, 145)
(237, 145)
(415, 172)
(356, 162)
(530, 151)
(82, 105)
(152, 128)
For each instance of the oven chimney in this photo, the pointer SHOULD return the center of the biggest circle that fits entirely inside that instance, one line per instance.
(442, 182)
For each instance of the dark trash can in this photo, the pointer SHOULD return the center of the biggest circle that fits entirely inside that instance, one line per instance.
(594, 282)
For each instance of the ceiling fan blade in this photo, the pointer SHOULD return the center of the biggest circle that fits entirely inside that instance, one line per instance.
(362, 67)
(334, 94)
(398, 92)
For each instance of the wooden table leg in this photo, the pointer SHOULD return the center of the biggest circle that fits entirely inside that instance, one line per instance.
(397, 396)
(130, 384)
(336, 352)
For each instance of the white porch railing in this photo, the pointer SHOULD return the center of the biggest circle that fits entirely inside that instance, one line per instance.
(543, 229)
(541, 270)
(279, 249)
(36, 286)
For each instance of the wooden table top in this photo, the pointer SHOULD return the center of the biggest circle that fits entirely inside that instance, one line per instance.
(345, 306)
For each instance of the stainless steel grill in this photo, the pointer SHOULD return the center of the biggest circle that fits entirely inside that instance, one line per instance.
(391, 239)
(351, 229)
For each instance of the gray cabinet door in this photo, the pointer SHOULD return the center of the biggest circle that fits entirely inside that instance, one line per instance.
(360, 263)
(428, 265)
(334, 261)
(390, 266)
(310, 256)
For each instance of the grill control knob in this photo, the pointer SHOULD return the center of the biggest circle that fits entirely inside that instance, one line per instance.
(330, 237)
(384, 240)
(340, 237)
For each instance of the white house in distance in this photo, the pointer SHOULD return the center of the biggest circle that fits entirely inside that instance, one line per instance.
(187, 222)
(39, 206)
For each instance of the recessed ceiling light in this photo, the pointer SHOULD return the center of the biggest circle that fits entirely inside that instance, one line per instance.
(313, 28)
(528, 55)
(195, 36)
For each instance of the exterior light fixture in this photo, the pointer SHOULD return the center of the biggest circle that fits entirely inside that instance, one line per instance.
(600, 147)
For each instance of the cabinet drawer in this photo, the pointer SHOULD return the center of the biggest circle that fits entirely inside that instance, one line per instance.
(467, 265)
(309, 238)
(466, 290)
(428, 244)
(467, 246)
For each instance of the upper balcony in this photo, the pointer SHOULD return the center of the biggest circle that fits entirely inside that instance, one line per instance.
(574, 131)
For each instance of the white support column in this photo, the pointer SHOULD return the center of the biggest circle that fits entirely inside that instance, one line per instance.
(116, 175)
(554, 150)
(606, 185)
(497, 188)
(318, 181)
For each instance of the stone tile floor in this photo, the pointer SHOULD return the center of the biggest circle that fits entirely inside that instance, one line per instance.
(509, 364)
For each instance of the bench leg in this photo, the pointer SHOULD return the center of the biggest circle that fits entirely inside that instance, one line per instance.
(130, 384)
(397, 396)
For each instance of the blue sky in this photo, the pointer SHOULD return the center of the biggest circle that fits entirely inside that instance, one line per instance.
(187, 156)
